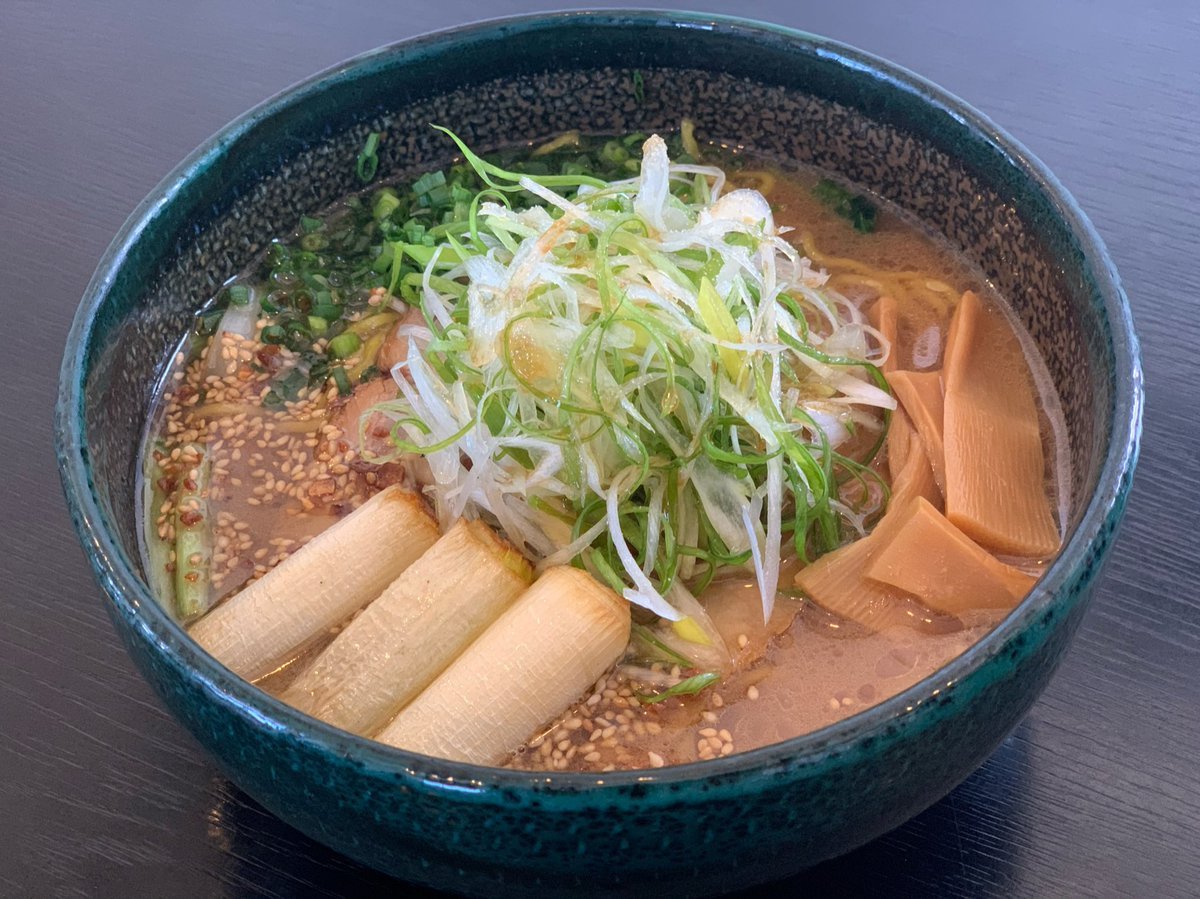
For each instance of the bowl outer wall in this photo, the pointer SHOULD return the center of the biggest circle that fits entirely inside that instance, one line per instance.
(361, 798)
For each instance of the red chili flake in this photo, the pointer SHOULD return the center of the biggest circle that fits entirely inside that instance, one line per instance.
(190, 517)
(189, 484)
(166, 485)
(268, 357)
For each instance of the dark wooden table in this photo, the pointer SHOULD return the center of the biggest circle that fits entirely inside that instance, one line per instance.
(101, 793)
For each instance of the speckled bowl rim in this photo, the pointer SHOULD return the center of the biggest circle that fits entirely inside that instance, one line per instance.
(132, 598)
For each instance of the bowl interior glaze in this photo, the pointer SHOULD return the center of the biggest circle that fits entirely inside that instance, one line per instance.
(786, 94)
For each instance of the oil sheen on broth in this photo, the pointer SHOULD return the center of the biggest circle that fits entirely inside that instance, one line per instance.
(277, 482)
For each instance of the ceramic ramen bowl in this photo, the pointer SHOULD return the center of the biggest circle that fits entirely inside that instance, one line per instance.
(695, 828)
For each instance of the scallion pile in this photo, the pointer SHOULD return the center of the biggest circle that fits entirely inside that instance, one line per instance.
(638, 375)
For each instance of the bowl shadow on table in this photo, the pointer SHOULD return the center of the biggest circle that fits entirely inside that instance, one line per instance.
(957, 847)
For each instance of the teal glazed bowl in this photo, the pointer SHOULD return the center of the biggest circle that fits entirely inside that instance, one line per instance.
(693, 829)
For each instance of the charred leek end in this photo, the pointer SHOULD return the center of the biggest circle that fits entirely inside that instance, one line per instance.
(418, 626)
(319, 586)
(540, 656)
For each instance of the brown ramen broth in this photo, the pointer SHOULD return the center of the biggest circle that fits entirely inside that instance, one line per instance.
(263, 438)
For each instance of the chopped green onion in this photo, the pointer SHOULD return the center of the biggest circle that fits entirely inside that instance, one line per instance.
(428, 182)
(342, 380)
(289, 386)
(639, 87)
(273, 334)
(344, 345)
(614, 152)
(688, 687)
(858, 210)
(367, 162)
(606, 571)
(687, 132)
(207, 321)
(318, 324)
(648, 637)
(297, 326)
(327, 311)
(318, 368)
(383, 261)
(414, 231)
(239, 295)
(386, 202)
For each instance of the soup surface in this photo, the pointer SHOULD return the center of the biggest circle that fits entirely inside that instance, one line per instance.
(277, 418)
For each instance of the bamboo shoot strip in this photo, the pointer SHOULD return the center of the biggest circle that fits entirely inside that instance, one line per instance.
(319, 586)
(920, 393)
(836, 583)
(915, 478)
(937, 563)
(418, 626)
(541, 655)
(995, 467)
(899, 439)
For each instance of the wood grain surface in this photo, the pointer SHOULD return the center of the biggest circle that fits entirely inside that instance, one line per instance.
(101, 793)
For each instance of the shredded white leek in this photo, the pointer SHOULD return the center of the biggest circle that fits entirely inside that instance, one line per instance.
(641, 376)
